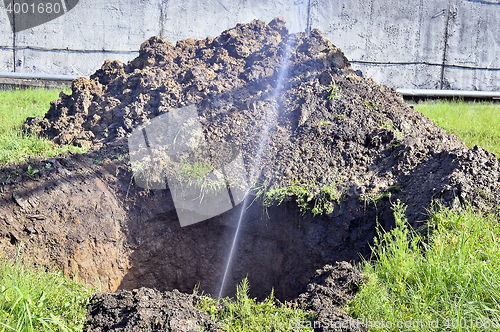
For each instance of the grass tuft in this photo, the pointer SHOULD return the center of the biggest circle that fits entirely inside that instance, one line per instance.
(309, 197)
(449, 279)
(32, 300)
(246, 314)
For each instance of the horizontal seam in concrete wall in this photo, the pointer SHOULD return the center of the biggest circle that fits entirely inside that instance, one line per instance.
(65, 49)
(421, 63)
(389, 63)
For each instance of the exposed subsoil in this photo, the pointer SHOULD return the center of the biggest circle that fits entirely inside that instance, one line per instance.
(86, 213)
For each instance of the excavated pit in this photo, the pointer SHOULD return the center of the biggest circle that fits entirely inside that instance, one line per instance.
(352, 144)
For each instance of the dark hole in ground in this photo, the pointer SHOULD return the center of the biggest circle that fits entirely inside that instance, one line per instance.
(279, 249)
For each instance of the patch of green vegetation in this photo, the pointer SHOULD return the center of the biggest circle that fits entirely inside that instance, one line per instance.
(202, 175)
(387, 125)
(399, 135)
(339, 118)
(18, 147)
(448, 278)
(335, 91)
(246, 314)
(476, 123)
(395, 144)
(309, 197)
(15, 107)
(374, 198)
(31, 171)
(323, 123)
(371, 105)
(194, 172)
(35, 300)
(11, 177)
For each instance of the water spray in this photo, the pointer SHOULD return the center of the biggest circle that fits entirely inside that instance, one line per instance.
(256, 164)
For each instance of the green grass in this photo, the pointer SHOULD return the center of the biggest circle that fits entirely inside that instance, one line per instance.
(15, 107)
(335, 91)
(447, 277)
(32, 300)
(309, 197)
(197, 174)
(476, 123)
(246, 314)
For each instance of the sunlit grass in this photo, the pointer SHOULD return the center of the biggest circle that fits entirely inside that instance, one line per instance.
(34, 300)
(476, 123)
(15, 107)
(246, 314)
(448, 280)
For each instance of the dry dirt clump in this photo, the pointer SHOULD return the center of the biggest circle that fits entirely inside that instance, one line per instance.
(332, 287)
(147, 310)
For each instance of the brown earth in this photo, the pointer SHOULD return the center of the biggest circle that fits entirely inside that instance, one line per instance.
(330, 288)
(85, 213)
(147, 309)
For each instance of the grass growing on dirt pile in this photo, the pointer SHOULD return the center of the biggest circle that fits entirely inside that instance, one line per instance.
(15, 107)
(450, 278)
(245, 314)
(32, 300)
(309, 197)
(476, 123)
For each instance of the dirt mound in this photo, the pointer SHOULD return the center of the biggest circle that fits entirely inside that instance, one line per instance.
(331, 288)
(146, 310)
(60, 214)
(322, 123)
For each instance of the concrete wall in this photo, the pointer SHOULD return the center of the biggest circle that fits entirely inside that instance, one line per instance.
(433, 44)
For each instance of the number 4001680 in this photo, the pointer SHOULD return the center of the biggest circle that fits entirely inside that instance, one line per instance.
(41, 8)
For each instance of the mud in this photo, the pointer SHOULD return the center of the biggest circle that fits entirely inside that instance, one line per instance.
(328, 126)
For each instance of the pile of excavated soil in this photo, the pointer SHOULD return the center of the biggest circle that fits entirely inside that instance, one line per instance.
(292, 99)
(147, 310)
(329, 289)
(361, 135)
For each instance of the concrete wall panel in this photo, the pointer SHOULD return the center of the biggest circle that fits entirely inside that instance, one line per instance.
(400, 43)
(6, 41)
(6, 61)
(473, 40)
(68, 63)
(93, 25)
(197, 20)
(409, 76)
(474, 79)
(388, 31)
